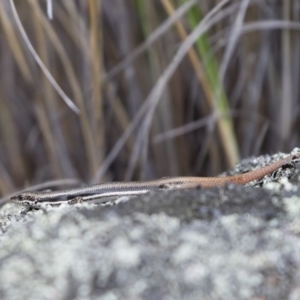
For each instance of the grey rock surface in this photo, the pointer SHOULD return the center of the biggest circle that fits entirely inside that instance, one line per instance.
(223, 243)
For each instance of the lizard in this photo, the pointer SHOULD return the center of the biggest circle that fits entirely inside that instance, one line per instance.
(119, 189)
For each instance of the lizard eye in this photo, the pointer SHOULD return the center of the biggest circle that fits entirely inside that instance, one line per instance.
(20, 197)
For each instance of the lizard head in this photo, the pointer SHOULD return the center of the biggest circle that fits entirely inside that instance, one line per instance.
(27, 199)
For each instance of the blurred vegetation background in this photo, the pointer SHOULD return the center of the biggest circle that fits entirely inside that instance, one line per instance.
(164, 87)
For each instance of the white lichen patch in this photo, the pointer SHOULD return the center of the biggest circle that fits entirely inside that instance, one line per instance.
(194, 238)
(125, 254)
(288, 186)
(295, 151)
(292, 206)
(282, 183)
(194, 273)
(294, 226)
(183, 253)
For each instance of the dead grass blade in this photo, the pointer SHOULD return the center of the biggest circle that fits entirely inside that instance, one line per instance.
(55, 85)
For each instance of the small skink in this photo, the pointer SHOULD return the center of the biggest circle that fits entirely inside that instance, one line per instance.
(119, 189)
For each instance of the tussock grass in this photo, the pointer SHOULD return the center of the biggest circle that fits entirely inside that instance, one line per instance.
(163, 88)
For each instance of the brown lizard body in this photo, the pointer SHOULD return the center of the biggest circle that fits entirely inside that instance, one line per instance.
(116, 189)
